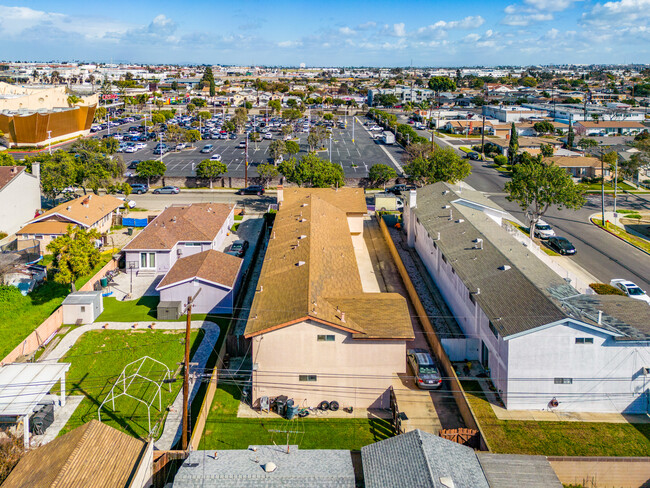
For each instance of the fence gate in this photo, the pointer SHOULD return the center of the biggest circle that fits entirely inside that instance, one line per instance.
(397, 416)
(467, 437)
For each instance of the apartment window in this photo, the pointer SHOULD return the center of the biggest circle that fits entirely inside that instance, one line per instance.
(584, 340)
(307, 377)
(563, 381)
(325, 338)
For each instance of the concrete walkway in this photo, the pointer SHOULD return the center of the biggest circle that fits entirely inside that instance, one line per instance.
(558, 415)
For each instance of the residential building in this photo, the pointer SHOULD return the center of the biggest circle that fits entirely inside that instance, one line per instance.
(20, 197)
(542, 343)
(276, 466)
(177, 232)
(316, 334)
(421, 459)
(94, 455)
(215, 273)
(581, 166)
(608, 127)
(88, 212)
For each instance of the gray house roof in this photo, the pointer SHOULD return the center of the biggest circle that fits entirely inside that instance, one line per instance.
(421, 459)
(245, 468)
(517, 471)
(518, 292)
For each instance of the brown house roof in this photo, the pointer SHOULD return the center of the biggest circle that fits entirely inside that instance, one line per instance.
(8, 173)
(85, 210)
(574, 161)
(198, 222)
(348, 200)
(310, 272)
(611, 124)
(213, 266)
(93, 456)
(47, 227)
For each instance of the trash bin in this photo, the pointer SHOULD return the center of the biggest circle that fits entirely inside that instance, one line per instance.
(104, 282)
(281, 405)
(292, 412)
(130, 231)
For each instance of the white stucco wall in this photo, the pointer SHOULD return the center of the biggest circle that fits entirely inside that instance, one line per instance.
(347, 370)
(19, 200)
(606, 375)
(212, 299)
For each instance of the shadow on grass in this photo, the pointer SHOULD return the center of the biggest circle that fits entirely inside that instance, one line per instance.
(49, 290)
(380, 428)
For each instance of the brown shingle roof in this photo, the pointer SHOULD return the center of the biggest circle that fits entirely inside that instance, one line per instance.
(611, 124)
(574, 161)
(85, 210)
(213, 266)
(198, 222)
(93, 456)
(310, 272)
(48, 227)
(8, 173)
(349, 200)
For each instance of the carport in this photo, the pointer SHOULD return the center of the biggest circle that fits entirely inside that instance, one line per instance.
(23, 386)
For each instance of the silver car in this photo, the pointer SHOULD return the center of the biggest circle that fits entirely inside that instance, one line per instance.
(427, 375)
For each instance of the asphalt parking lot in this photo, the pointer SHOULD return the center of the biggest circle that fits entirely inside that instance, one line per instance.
(355, 158)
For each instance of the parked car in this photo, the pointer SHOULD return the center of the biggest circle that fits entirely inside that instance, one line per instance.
(400, 188)
(207, 148)
(139, 188)
(232, 136)
(140, 145)
(238, 248)
(427, 375)
(474, 156)
(181, 146)
(268, 135)
(251, 190)
(543, 230)
(133, 164)
(561, 245)
(630, 289)
(167, 189)
(242, 144)
(215, 157)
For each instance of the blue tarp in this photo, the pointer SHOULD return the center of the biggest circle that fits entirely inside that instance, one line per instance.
(131, 222)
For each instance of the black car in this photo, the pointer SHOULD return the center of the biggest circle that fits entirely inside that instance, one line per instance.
(251, 190)
(561, 245)
(474, 156)
(400, 188)
(238, 248)
(133, 164)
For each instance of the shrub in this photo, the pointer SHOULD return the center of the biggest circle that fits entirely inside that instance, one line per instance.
(500, 160)
(605, 289)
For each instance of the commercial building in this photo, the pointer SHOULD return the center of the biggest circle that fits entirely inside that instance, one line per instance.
(544, 345)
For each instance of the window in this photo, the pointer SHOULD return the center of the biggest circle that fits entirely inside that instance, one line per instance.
(325, 338)
(563, 381)
(307, 377)
(192, 244)
(83, 309)
(584, 340)
(493, 329)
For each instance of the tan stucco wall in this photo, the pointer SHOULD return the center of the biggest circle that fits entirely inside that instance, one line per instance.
(351, 371)
(30, 98)
(19, 200)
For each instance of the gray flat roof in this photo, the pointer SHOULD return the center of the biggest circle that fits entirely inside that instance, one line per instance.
(23, 385)
(81, 298)
(517, 471)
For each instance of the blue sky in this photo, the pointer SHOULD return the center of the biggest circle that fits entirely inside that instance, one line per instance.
(329, 33)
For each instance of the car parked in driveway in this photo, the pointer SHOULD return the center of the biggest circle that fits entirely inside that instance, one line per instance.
(251, 190)
(238, 248)
(630, 289)
(425, 370)
(400, 188)
(167, 189)
(561, 245)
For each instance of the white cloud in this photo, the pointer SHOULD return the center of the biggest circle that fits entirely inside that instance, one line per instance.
(550, 5)
(367, 25)
(621, 13)
(526, 19)
(346, 31)
(399, 29)
(289, 44)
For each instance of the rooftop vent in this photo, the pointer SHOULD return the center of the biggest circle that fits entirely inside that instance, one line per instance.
(446, 206)
(343, 317)
(300, 263)
(479, 243)
(302, 237)
(302, 220)
(447, 482)
(304, 204)
(460, 221)
(505, 267)
(270, 467)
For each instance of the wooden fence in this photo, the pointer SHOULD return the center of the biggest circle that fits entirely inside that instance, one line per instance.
(434, 341)
(467, 437)
(164, 464)
(397, 416)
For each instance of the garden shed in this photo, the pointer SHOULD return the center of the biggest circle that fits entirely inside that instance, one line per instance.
(169, 310)
(82, 307)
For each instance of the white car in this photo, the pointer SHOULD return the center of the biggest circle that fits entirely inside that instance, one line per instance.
(140, 145)
(130, 149)
(215, 157)
(268, 135)
(630, 289)
(543, 230)
(181, 146)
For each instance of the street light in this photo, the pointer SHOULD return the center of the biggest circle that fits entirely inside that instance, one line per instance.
(49, 140)
(330, 147)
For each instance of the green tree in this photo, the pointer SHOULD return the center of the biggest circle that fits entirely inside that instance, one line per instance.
(190, 108)
(380, 174)
(7, 159)
(211, 170)
(151, 168)
(208, 80)
(570, 138)
(537, 186)
(313, 171)
(316, 137)
(110, 145)
(441, 165)
(586, 143)
(291, 114)
(75, 254)
(277, 148)
(547, 150)
(240, 118)
(229, 126)
(58, 171)
(267, 172)
(292, 147)
(442, 84)
(544, 127)
(203, 115)
(192, 136)
(275, 106)
(528, 81)
(287, 130)
(513, 146)
(199, 102)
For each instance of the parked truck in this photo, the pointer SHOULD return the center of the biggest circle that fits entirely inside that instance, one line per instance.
(388, 202)
(388, 138)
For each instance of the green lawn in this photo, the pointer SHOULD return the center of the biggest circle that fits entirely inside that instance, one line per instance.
(98, 359)
(556, 438)
(20, 315)
(626, 236)
(609, 187)
(223, 430)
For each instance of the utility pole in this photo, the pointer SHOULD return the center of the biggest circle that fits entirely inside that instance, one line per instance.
(246, 163)
(483, 137)
(615, 184)
(186, 370)
(602, 185)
